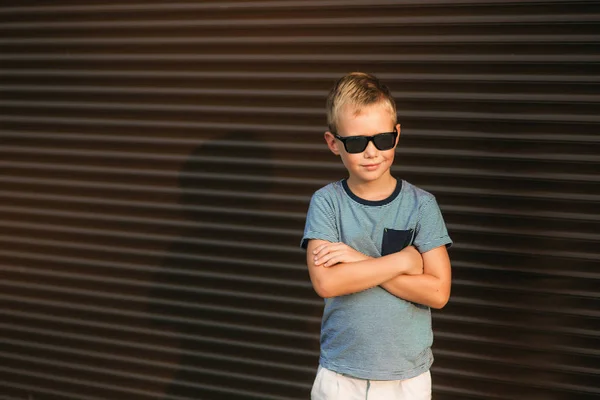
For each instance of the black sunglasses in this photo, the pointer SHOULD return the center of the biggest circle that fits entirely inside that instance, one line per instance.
(358, 144)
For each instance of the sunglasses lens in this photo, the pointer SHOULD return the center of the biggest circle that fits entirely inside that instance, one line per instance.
(356, 144)
(384, 141)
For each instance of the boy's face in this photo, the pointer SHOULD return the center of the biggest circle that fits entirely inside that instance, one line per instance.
(371, 165)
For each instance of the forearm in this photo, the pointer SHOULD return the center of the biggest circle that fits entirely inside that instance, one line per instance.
(424, 289)
(352, 277)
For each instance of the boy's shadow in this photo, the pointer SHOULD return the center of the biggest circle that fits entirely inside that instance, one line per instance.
(194, 295)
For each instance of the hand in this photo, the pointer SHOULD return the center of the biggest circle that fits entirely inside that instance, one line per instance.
(413, 261)
(330, 254)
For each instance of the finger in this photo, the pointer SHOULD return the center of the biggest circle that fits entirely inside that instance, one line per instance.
(331, 258)
(322, 249)
(319, 248)
(323, 258)
(320, 255)
(328, 248)
(331, 262)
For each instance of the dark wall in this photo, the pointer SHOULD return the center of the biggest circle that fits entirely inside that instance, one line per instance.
(157, 159)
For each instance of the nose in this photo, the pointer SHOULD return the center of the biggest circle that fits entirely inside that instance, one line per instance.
(371, 151)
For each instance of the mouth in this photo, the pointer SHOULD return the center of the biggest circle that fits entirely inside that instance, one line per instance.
(370, 166)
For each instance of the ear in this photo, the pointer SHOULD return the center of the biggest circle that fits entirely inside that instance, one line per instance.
(397, 130)
(332, 143)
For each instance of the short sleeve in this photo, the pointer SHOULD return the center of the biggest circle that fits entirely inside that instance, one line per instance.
(431, 229)
(320, 221)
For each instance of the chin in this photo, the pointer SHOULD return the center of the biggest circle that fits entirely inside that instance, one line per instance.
(370, 177)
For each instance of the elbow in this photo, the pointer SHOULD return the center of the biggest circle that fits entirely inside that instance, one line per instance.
(321, 292)
(325, 293)
(321, 289)
(321, 283)
(440, 301)
(441, 296)
(438, 305)
(324, 289)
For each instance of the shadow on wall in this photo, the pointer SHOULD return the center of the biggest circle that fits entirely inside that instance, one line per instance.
(200, 296)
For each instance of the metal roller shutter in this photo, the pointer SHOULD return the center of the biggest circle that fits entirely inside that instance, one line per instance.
(157, 160)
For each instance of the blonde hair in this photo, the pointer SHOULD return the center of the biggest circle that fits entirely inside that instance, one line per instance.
(357, 90)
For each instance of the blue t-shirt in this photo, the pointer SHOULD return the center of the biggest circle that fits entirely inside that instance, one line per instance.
(373, 334)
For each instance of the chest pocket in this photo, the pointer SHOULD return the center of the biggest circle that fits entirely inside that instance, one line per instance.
(395, 240)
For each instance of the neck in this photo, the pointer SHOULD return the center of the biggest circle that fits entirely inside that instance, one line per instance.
(373, 190)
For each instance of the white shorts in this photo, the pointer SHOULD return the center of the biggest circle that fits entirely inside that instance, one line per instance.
(330, 385)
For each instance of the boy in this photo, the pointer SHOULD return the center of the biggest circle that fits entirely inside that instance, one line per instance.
(376, 252)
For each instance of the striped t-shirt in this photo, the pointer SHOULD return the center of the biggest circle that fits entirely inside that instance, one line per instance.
(373, 334)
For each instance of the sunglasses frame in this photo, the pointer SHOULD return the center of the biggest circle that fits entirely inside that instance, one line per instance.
(369, 138)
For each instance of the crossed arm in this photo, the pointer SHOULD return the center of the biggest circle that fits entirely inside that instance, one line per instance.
(336, 269)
